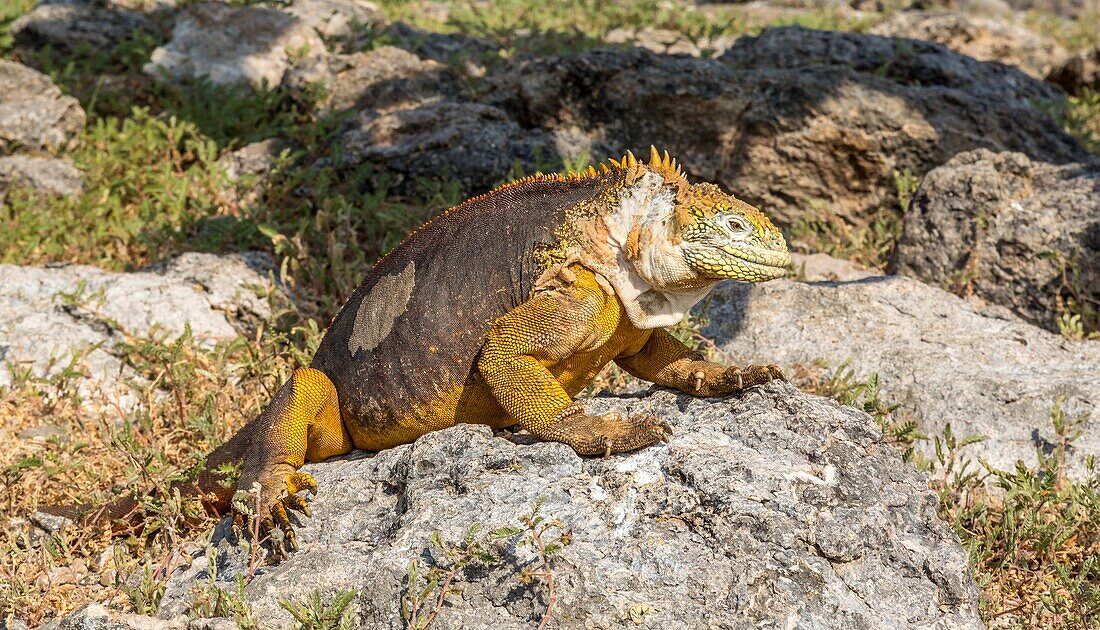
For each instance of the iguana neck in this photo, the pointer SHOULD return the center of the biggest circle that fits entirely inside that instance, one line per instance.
(631, 250)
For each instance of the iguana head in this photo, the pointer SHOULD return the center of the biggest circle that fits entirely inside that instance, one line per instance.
(661, 243)
(724, 238)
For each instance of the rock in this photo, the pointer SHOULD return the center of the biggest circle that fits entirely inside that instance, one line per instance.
(670, 42)
(235, 45)
(250, 167)
(823, 267)
(55, 176)
(34, 114)
(1078, 72)
(1066, 8)
(79, 24)
(802, 122)
(379, 81)
(772, 510)
(256, 159)
(51, 316)
(476, 145)
(98, 617)
(1007, 229)
(337, 19)
(944, 359)
(979, 37)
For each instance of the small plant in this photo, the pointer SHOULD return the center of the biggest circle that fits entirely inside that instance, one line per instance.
(210, 600)
(314, 613)
(547, 537)
(426, 592)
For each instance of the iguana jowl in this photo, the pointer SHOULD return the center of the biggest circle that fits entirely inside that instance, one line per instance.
(502, 309)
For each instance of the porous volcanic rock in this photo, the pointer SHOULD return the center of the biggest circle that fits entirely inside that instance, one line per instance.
(1010, 230)
(336, 19)
(1078, 72)
(475, 145)
(776, 508)
(235, 45)
(379, 81)
(34, 114)
(81, 24)
(946, 360)
(51, 316)
(982, 38)
(803, 122)
(56, 176)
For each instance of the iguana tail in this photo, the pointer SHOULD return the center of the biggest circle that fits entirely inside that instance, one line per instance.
(302, 423)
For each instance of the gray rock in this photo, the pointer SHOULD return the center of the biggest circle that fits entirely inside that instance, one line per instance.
(778, 509)
(34, 114)
(1004, 228)
(823, 267)
(476, 145)
(51, 316)
(944, 359)
(74, 24)
(1078, 72)
(55, 176)
(379, 81)
(337, 19)
(1065, 8)
(979, 37)
(235, 45)
(670, 42)
(805, 123)
(98, 617)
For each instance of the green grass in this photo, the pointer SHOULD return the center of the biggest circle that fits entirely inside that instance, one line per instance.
(9, 11)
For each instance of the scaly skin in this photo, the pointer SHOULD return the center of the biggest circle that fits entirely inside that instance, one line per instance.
(498, 313)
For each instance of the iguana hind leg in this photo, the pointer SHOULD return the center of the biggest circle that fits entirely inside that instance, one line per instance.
(302, 423)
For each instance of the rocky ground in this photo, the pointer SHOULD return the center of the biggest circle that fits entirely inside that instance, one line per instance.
(188, 190)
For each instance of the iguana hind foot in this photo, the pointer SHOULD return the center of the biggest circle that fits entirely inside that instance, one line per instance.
(301, 424)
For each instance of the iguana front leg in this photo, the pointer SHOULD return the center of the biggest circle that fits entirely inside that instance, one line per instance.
(545, 330)
(666, 361)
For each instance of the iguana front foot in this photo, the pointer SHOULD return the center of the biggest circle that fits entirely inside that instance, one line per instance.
(606, 433)
(705, 380)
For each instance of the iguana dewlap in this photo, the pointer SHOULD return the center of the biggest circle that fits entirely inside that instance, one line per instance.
(502, 309)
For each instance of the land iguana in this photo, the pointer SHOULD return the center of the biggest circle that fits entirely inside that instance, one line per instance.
(498, 312)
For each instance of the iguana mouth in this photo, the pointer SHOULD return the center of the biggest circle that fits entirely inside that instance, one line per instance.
(759, 256)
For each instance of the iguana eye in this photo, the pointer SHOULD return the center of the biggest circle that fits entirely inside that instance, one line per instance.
(738, 226)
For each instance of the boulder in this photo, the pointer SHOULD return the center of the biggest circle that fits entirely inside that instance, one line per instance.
(53, 316)
(1009, 230)
(670, 42)
(774, 509)
(1072, 9)
(946, 360)
(337, 19)
(34, 114)
(1078, 72)
(982, 38)
(805, 123)
(55, 176)
(379, 81)
(475, 145)
(80, 24)
(249, 45)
